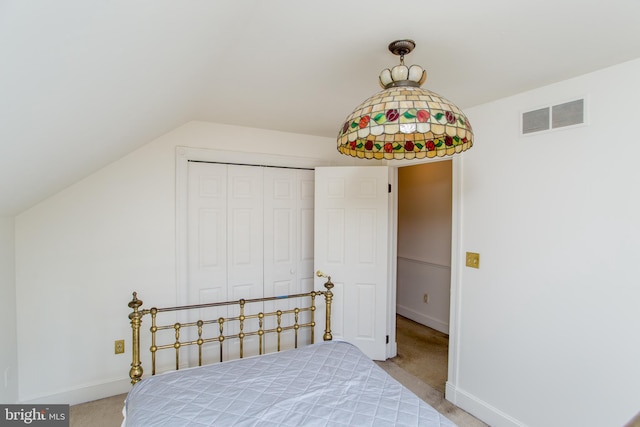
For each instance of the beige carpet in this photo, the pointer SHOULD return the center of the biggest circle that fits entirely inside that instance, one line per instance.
(430, 395)
(422, 352)
(99, 413)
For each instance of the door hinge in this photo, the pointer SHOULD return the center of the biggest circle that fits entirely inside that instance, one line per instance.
(387, 339)
(389, 188)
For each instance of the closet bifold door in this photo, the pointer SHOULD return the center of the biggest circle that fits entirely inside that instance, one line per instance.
(288, 245)
(206, 247)
(225, 244)
(245, 253)
(250, 234)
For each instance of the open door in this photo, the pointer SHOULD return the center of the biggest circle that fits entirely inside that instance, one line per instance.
(352, 246)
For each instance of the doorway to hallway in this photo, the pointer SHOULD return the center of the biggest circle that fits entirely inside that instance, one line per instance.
(423, 288)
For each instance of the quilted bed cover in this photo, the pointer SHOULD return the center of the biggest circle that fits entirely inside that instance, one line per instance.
(326, 384)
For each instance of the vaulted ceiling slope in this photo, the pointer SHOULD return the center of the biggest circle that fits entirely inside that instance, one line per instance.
(83, 83)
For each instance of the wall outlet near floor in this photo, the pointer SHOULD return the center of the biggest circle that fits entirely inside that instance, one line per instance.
(119, 346)
(425, 298)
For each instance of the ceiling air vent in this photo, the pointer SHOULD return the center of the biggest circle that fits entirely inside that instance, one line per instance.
(558, 116)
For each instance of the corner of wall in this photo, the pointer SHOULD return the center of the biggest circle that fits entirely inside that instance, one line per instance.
(8, 350)
(478, 408)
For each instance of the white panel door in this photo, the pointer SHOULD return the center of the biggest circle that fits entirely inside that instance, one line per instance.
(306, 209)
(225, 232)
(245, 231)
(280, 231)
(207, 246)
(288, 244)
(288, 230)
(225, 243)
(207, 232)
(351, 245)
(244, 249)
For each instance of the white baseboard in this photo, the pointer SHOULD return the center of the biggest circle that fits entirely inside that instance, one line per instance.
(479, 408)
(83, 394)
(423, 319)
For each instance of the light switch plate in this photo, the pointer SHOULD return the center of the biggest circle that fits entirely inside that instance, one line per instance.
(473, 260)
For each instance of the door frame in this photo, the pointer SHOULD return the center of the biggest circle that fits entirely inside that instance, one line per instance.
(456, 264)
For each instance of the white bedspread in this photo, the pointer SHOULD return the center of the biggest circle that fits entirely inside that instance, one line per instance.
(327, 384)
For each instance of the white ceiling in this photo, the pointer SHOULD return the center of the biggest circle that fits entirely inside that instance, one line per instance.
(82, 82)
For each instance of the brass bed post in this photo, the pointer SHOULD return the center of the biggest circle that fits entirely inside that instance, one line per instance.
(328, 296)
(135, 373)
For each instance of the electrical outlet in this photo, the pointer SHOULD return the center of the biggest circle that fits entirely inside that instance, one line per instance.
(119, 346)
(425, 298)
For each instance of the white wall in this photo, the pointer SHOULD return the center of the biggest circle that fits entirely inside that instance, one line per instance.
(8, 338)
(80, 254)
(424, 243)
(548, 326)
(550, 323)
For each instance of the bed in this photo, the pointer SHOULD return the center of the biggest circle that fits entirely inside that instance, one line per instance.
(330, 383)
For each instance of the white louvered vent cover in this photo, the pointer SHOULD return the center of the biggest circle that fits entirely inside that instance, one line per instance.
(558, 116)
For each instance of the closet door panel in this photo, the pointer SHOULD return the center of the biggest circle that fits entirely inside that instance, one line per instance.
(305, 211)
(280, 204)
(207, 231)
(207, 249)
(245, 228)
(280, 254)
(306, 201)
(244, 249)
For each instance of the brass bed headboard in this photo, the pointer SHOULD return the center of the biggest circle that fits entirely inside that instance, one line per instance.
(135, 373)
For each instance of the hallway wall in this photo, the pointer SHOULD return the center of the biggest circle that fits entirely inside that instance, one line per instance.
(424, 243)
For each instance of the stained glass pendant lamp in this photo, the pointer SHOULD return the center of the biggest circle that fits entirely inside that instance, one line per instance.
(404, 121)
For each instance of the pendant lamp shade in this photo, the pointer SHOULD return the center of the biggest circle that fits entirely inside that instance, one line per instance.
(404, 121)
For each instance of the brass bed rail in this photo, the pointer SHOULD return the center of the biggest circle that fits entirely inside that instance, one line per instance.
(197, 327)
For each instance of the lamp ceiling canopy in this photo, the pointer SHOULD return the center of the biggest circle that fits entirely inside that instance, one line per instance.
(404, 121)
